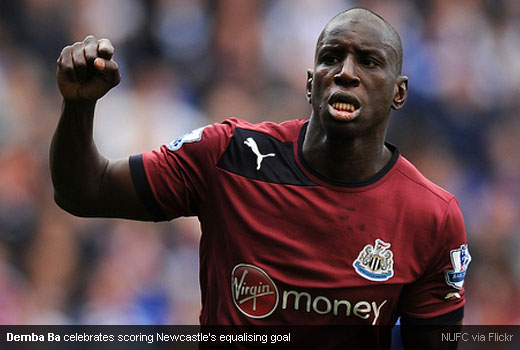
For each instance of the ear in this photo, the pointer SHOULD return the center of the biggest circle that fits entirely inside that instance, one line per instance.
(401, 92)
(310, 74)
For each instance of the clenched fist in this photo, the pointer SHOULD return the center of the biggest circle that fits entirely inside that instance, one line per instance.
(86, 70)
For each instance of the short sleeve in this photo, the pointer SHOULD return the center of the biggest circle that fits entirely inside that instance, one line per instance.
(438, 296)
(173, 180)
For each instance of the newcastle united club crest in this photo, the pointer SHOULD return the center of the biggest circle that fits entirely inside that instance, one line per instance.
(375, 262)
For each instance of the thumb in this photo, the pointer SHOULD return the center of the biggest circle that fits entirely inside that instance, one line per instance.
(109, 70)
(105, 65)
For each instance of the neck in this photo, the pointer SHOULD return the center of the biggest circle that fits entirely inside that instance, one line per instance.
(345, 157)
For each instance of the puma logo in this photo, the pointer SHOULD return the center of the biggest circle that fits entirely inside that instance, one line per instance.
(251, 143)
(452, 295)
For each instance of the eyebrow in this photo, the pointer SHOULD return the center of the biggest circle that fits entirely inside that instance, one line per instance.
(364, 51)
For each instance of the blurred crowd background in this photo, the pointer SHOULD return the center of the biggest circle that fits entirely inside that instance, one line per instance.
(187, 63)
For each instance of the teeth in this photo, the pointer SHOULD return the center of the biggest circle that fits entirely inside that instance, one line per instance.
(340, 106)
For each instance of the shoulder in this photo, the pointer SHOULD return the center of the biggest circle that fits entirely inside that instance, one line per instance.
(418, 183)
(210, 142)
(426, 202)
(221, 132)
(284, 131)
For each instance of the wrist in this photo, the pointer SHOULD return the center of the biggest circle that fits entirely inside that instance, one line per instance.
(78, 108)
(79, 103)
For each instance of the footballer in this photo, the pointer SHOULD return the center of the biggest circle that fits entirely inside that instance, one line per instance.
(314, 221)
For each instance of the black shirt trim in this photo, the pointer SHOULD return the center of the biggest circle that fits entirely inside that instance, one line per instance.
(450, 318)
(281, 168)
(142, 187)
(370, 181)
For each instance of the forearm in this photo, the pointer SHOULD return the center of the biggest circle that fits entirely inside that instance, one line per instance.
(77, 168)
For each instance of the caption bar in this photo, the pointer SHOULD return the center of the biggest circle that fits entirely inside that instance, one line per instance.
(151, 338)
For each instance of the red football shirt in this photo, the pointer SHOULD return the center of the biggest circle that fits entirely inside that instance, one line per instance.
(282, 244)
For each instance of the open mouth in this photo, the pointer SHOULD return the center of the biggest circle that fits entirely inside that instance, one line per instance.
(344, 106)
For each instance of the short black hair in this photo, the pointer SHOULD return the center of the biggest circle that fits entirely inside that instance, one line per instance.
(395, 37)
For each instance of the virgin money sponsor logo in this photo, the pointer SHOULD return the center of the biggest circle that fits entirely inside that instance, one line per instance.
(256, 296)
(254, 292)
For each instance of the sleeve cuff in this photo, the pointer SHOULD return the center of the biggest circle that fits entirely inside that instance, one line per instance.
(142, 187)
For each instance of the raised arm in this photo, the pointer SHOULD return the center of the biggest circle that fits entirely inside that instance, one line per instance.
(85, 182)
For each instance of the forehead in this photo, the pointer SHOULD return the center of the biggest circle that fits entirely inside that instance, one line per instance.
(365, 32)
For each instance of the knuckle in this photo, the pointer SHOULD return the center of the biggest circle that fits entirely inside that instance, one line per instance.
(66, 50)
(77, 46)
(105, 43)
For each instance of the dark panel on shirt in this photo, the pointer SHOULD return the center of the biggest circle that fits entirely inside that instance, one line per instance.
(281, 168)
(142, 187)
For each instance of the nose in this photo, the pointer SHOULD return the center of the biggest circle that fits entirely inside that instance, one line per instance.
(347, 75)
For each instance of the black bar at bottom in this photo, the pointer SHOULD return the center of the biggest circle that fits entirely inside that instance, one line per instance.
(80, 337)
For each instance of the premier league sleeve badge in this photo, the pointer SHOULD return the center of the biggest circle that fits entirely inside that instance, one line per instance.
(460, 260)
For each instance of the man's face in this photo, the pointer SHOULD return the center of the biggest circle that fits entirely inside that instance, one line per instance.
(356, 78)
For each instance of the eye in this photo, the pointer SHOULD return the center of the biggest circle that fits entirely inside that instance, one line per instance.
(329, 59)
(369, 62)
